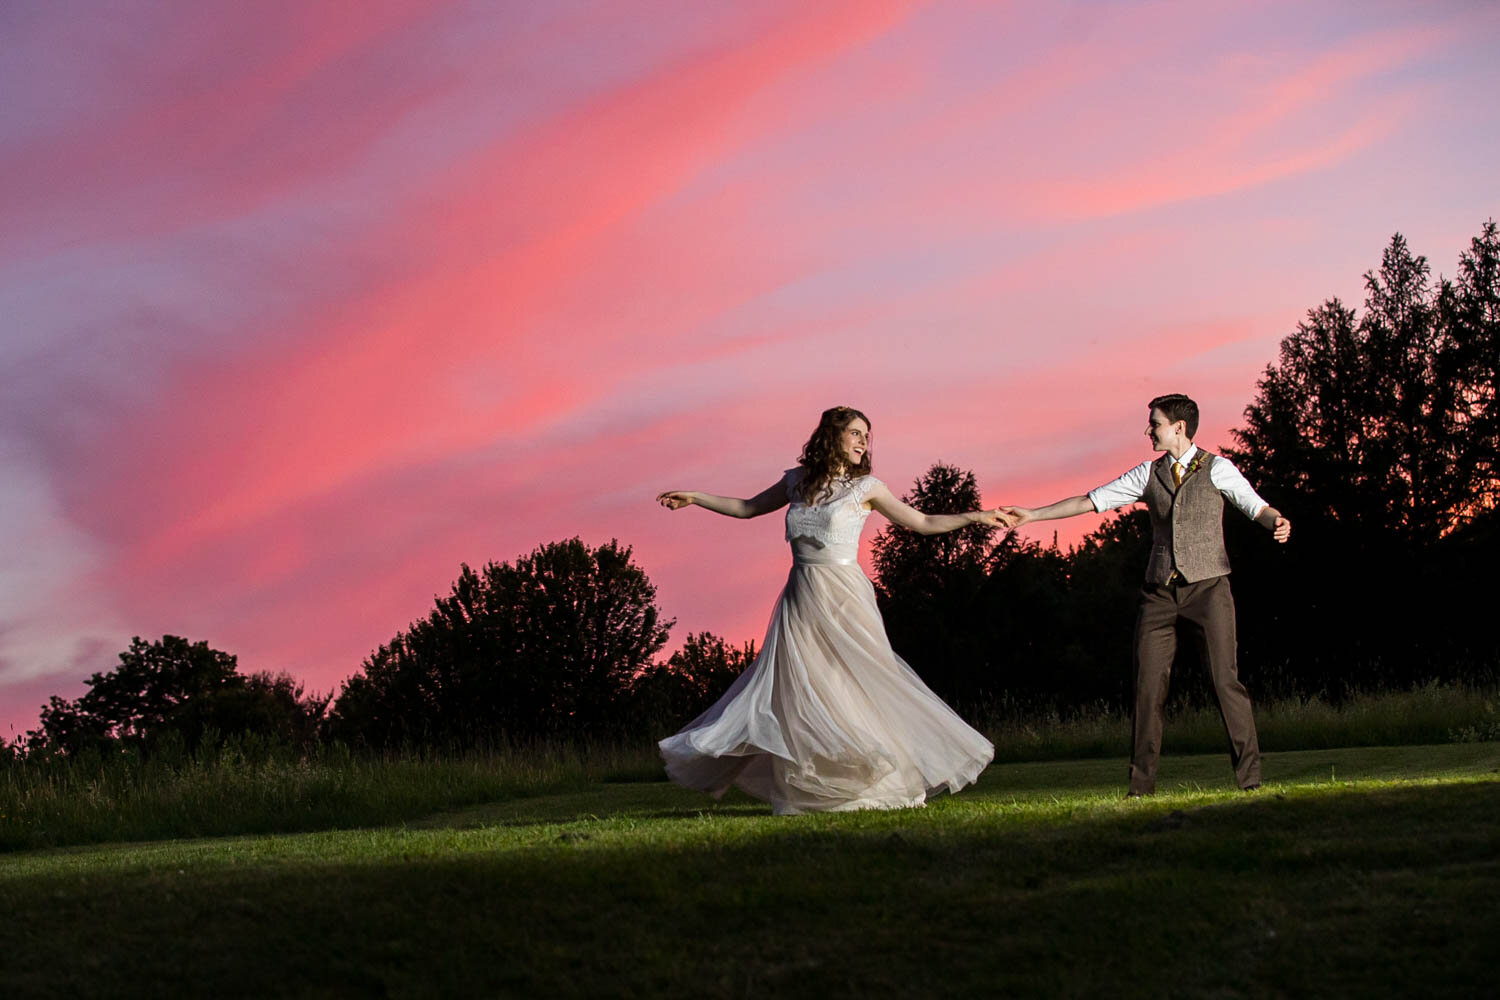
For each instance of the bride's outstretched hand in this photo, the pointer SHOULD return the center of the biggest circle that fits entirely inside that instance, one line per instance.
(674, 499)
(994, 518)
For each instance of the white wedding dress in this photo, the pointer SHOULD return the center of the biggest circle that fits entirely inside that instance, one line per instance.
(828, 717)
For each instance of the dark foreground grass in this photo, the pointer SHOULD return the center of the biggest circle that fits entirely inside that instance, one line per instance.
(1370, 872)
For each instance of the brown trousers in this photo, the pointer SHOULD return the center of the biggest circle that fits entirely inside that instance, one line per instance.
(1207, 607)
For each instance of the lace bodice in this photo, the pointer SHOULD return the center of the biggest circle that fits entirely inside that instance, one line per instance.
(834, 523)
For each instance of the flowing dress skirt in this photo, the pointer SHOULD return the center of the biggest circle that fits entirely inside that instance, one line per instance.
(828, 717)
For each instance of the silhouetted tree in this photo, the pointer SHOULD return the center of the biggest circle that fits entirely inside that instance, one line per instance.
(1104, 573)
(668, 695)
(272, 705)
(173, 686)
(1304, 432)
(911, 562)
(1407, 402)
(66, 729)
(1469, 308)
(548, 646)
(1376, 434)
(1024, 628)
(932, 588)
(1386, 422)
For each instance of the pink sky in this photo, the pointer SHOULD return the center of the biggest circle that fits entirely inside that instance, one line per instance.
(306, 304)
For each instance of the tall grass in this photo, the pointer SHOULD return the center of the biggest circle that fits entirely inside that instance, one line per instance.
(1434, 713)
(97, 799)
(246, 788)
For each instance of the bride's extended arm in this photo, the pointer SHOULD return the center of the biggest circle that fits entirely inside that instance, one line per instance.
(771, 498)
(896, 512)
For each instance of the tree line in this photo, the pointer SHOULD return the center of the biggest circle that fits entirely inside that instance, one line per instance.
(561, 644)
(1376, 431)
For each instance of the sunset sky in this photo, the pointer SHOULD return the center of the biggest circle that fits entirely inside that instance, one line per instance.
(306, 303)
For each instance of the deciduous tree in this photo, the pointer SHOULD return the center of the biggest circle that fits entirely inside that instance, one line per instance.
(547, 646)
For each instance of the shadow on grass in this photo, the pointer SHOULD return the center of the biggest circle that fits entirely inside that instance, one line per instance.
(1383, 891)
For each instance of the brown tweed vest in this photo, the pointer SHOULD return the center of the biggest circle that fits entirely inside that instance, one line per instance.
(1187, 523)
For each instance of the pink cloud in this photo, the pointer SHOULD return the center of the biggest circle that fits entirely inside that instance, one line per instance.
(653, 280)
(1238, 150)
(371, 388)
(232, 449)
(226, 117)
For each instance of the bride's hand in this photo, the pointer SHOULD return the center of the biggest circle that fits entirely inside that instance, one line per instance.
(994, 518)
(674, 499)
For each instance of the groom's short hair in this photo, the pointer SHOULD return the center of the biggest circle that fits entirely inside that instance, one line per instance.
(1175, 406)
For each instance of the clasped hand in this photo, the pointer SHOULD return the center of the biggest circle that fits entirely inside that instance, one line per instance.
(1014, 517)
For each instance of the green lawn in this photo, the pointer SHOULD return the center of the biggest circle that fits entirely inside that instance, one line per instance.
(1366, 872)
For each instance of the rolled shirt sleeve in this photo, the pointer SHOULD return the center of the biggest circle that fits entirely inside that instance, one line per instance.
(1127, 489)
(1231, 482)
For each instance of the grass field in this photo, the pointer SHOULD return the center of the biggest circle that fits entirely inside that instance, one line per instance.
(1356, 872)
(245, 788)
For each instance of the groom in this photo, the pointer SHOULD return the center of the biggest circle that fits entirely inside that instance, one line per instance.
(1187, 579)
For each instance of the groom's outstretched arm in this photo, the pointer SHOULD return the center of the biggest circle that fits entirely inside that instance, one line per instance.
(1116, 493)
(1071, 507)
(1236, 489)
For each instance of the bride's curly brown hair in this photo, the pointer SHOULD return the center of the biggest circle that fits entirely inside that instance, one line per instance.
(821, 461)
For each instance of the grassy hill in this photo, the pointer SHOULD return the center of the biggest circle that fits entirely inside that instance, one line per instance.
(1371, 872)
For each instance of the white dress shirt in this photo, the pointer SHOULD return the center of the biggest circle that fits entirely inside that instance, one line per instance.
(1228, 480)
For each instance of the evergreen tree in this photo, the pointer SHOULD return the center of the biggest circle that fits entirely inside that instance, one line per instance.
(1385, 425)
(1376, 433)
(932, 589)
(1469, 308)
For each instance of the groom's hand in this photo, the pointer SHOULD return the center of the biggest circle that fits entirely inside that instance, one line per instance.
(1281, 530)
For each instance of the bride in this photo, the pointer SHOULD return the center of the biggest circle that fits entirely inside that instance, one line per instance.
(828, 717)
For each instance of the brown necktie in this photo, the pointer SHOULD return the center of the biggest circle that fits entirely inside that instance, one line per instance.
(1176, 474)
